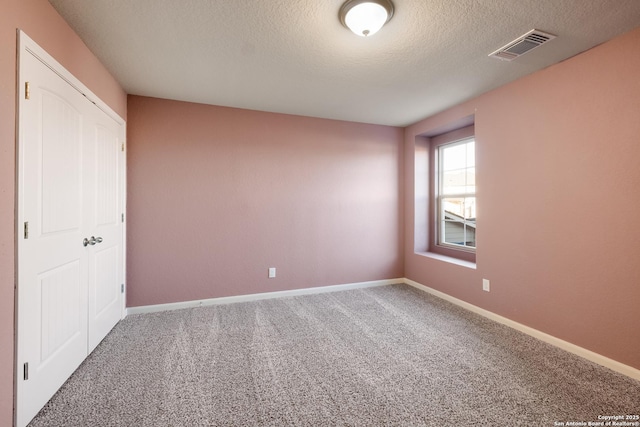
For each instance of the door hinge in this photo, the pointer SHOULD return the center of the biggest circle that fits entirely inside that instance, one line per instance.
(122, 147)
(122, 288)
(26, 371)
(122, 217)
(26, 229)
(27, 91)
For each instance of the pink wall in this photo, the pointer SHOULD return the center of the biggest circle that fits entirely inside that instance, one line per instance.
(40, 21)
(558, 201)
(218, 195)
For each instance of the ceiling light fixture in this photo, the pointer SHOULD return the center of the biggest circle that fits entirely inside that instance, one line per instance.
(365, 17)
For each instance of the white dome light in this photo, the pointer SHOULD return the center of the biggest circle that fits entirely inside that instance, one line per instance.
(365, 18)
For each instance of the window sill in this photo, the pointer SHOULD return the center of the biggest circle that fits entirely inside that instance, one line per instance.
(448, 259)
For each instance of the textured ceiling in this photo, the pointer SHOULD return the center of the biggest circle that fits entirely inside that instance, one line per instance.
(295, 57)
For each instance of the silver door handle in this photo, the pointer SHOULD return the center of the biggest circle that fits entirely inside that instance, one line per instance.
(91, 241)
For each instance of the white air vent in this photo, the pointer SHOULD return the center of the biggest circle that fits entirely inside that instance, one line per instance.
(522, 45)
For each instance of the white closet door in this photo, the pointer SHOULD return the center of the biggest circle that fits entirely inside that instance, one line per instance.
(53, 264)
(70, 232)
(103, 190)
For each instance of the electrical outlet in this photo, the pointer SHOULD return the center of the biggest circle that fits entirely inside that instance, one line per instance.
(272, 272)
(486, 285)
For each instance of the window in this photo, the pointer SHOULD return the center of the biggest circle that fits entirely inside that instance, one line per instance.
(455, 195)
(445, 192)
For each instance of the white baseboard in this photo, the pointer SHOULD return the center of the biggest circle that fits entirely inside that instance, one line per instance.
(261, 296)
(550, 339)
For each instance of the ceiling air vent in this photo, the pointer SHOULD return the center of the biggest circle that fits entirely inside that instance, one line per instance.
(522, 45)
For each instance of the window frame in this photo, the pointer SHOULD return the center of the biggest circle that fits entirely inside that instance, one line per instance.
(436, 224)
(441, 197)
